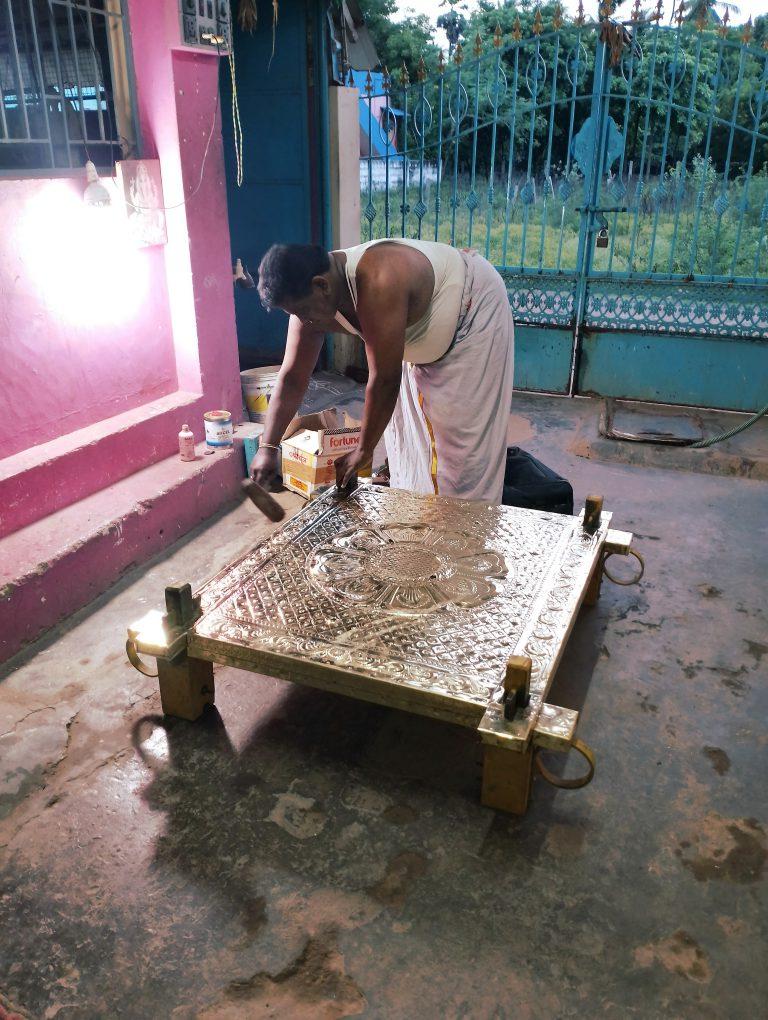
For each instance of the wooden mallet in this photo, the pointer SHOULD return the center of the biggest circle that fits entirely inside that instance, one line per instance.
(262, 500)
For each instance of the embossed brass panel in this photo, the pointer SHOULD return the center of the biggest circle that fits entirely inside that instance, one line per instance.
(406, 569)
(412, 601)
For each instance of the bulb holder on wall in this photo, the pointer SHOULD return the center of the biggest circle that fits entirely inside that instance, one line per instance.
(95, 193)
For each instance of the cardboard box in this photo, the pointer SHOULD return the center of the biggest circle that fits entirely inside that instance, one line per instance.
(312, 445)
(248, 433)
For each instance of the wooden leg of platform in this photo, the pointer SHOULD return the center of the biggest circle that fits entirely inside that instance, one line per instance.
(592, 593)
(186, 686)
(507, 778)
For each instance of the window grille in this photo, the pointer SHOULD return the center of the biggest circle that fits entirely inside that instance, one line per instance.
(64, 84)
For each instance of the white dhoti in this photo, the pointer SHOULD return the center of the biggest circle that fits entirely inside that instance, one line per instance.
(448, 434)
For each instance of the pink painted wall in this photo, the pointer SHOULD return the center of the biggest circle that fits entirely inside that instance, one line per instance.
(93, 331)
(93, 347)
(85, 324)
(177, 92)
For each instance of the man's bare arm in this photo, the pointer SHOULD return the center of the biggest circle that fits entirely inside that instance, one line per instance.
(302, 349)
(383, 296)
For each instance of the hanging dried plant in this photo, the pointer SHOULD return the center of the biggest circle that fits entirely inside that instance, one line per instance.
(247, 15)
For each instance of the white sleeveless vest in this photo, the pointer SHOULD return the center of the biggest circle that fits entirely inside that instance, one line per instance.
(428, 339)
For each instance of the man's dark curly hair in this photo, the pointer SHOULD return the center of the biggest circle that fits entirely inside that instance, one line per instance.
(287, 270)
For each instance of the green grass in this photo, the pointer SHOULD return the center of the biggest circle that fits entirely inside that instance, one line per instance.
(660, 241)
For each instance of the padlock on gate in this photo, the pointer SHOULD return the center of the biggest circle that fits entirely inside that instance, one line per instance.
(602, 238)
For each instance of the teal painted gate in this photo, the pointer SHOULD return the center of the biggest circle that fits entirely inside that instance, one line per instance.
(617, 176)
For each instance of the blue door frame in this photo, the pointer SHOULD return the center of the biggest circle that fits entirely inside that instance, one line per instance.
(284, 196)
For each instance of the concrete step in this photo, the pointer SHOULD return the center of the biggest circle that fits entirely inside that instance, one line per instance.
(82, 462)
(55, 566)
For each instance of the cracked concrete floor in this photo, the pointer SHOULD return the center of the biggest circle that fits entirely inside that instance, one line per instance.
(301, 855)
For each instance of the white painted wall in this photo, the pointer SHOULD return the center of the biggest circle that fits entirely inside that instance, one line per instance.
(345, 196)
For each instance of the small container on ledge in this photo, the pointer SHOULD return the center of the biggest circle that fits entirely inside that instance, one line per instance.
(187, 443)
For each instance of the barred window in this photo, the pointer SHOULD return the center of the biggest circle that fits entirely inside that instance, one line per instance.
(65, 84)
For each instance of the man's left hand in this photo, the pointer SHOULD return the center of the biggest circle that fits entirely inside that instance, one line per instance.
(350, 464)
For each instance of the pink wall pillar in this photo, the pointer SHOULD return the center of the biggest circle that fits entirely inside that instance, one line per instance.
(177, 94)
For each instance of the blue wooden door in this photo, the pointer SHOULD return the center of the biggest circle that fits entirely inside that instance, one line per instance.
(280, 198)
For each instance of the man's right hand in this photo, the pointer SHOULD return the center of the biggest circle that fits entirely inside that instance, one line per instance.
(265, 467)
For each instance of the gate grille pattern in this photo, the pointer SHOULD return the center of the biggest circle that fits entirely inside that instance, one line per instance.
(615, 173)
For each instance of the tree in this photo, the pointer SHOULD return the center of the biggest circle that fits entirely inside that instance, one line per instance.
(707, 10)
(453, 23)
(399, 42)
(761, 30)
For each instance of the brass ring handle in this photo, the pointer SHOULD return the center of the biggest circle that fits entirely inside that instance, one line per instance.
(135, 660)
(616, 580)
(570, 784)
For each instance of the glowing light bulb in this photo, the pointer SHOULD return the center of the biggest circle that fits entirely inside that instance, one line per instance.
(58, 235)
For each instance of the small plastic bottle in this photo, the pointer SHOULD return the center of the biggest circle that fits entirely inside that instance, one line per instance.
(186, 443)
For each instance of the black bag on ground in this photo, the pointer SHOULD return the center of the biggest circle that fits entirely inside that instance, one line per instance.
(531, 484)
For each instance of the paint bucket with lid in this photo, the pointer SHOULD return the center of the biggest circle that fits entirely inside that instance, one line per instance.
(258, 385)
(218, 428)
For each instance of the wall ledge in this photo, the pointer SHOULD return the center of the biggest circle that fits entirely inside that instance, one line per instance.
(80, 463)
(59, 564)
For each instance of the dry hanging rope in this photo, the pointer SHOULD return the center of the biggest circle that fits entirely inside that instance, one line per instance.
(237, 128)
(275, 14)
(248, 18)
(247, 15)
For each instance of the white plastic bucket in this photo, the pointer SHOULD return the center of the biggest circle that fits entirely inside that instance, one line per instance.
(258, 385)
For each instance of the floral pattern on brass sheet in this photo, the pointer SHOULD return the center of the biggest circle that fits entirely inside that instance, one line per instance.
(406, 568)
(269, 602)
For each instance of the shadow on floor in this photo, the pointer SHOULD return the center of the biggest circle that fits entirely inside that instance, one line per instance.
(288, 778)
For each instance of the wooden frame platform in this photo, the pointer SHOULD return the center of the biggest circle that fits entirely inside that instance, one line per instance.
(459, 611)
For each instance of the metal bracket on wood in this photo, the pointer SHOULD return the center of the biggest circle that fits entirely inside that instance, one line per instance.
(164, 635)
(593, 509)
(619, 543)
(517, 685)
(556, 731)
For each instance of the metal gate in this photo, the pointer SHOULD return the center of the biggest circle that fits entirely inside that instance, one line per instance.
(616, 173)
